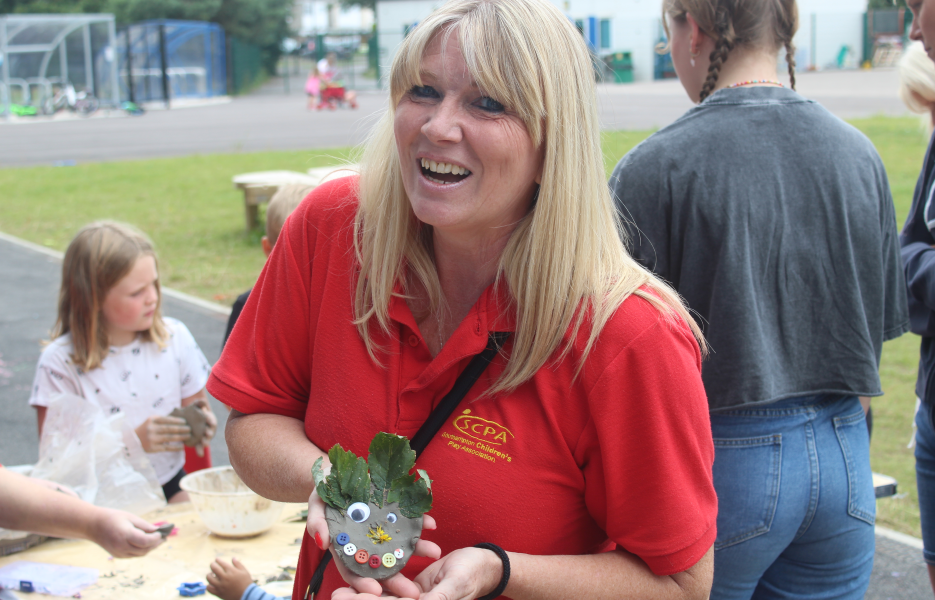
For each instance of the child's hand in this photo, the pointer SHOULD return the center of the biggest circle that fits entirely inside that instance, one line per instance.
(228, 581)
(211, 426)
(164, 434)
(123, 534)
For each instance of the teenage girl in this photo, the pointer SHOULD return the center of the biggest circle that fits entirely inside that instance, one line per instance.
(112, 346)
(774, 220)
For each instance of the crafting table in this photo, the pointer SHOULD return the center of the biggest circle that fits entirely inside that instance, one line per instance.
(182, 558)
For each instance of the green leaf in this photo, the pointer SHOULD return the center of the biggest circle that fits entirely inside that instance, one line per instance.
(397, 487)
(349, 478)
(317, 473)
(390, 458)
(415, 499)
(424, 475)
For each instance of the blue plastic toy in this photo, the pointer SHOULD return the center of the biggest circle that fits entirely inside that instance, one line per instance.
(192, 589)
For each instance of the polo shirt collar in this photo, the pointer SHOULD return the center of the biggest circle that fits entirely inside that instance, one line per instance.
(493, 311)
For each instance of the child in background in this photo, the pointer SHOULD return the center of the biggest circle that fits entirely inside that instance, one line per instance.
(313, 88)
(232, 581)
(280, 206)
(112, 346)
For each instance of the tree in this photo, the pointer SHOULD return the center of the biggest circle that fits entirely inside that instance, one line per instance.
(263, 23)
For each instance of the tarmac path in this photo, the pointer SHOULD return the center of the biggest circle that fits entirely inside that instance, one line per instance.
(272, 120)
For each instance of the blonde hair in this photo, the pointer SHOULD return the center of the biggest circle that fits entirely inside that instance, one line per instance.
(101, 254)
(281, 205)
(769, 24)
(565, 261)
(917, 81)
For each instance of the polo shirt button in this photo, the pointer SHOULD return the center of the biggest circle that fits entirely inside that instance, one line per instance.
(413, 341)
(477, 328)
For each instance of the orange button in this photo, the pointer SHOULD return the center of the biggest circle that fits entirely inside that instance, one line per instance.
(362, 556)
(413, 341)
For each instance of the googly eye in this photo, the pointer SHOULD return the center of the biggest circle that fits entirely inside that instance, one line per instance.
(358, 512)
(391, 517)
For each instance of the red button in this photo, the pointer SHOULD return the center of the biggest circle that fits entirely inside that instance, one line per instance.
(413, 341)
(375, 561)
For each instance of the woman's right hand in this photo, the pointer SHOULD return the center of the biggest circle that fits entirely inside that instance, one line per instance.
(397, 585)
(163, 434)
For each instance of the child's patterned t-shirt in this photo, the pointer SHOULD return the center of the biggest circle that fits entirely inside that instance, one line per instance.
(138, 379)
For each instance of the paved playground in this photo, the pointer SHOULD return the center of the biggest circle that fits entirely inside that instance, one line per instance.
(270, 120)
(273, 120)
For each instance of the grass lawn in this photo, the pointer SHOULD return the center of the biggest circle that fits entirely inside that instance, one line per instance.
(190, 209)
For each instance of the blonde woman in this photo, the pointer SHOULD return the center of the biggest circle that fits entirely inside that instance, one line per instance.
(583, 452)
(774, 220)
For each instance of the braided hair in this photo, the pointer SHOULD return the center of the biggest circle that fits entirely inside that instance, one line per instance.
(726, 39)
(732, 23)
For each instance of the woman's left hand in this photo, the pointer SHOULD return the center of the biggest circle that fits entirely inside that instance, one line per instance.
(464, 574)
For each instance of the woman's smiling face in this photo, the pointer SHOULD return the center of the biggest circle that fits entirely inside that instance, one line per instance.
(468, 163)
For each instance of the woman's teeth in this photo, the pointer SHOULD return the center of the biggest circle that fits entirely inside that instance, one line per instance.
(438, 167)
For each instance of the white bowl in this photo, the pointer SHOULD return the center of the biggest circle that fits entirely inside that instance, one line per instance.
(227, 506)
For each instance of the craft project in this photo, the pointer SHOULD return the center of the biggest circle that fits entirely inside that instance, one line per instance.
(374, 507)
(196, 419)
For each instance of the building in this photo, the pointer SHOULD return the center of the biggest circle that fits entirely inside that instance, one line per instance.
(826, 28)
(317, 16)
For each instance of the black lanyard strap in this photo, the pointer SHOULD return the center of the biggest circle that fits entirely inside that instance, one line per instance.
(440, 414)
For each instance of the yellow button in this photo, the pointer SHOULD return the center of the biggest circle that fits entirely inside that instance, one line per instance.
(389, 560)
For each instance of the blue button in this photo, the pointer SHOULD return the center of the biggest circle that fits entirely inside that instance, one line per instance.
(343, 539)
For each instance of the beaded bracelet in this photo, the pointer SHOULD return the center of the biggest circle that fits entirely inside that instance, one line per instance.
(498, 591)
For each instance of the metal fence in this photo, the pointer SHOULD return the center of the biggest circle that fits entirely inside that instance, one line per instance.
(164, 59)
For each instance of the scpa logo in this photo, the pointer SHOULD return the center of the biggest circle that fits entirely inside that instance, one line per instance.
(482, 429)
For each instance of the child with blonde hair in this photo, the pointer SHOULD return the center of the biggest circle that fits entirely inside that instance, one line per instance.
(112, 346)
(280, 206)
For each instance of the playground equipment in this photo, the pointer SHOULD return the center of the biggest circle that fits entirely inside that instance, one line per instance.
(40, 55)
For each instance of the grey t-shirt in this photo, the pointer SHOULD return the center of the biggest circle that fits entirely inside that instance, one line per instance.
(773, 219)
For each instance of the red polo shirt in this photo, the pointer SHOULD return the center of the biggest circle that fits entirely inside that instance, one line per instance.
(563, 465)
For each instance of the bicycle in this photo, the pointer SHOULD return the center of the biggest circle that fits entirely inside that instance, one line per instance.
(84, 103)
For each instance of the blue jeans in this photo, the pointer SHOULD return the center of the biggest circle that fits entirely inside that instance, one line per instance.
(925, 478)
(796, 503)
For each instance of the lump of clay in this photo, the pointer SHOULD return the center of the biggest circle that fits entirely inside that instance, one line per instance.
(196, 419)
(374, 507)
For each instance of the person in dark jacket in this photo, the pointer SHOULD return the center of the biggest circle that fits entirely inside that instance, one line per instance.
(918, 256)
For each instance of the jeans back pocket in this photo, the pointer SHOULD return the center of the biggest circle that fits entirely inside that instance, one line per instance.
(855, 444)
(747, 474)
